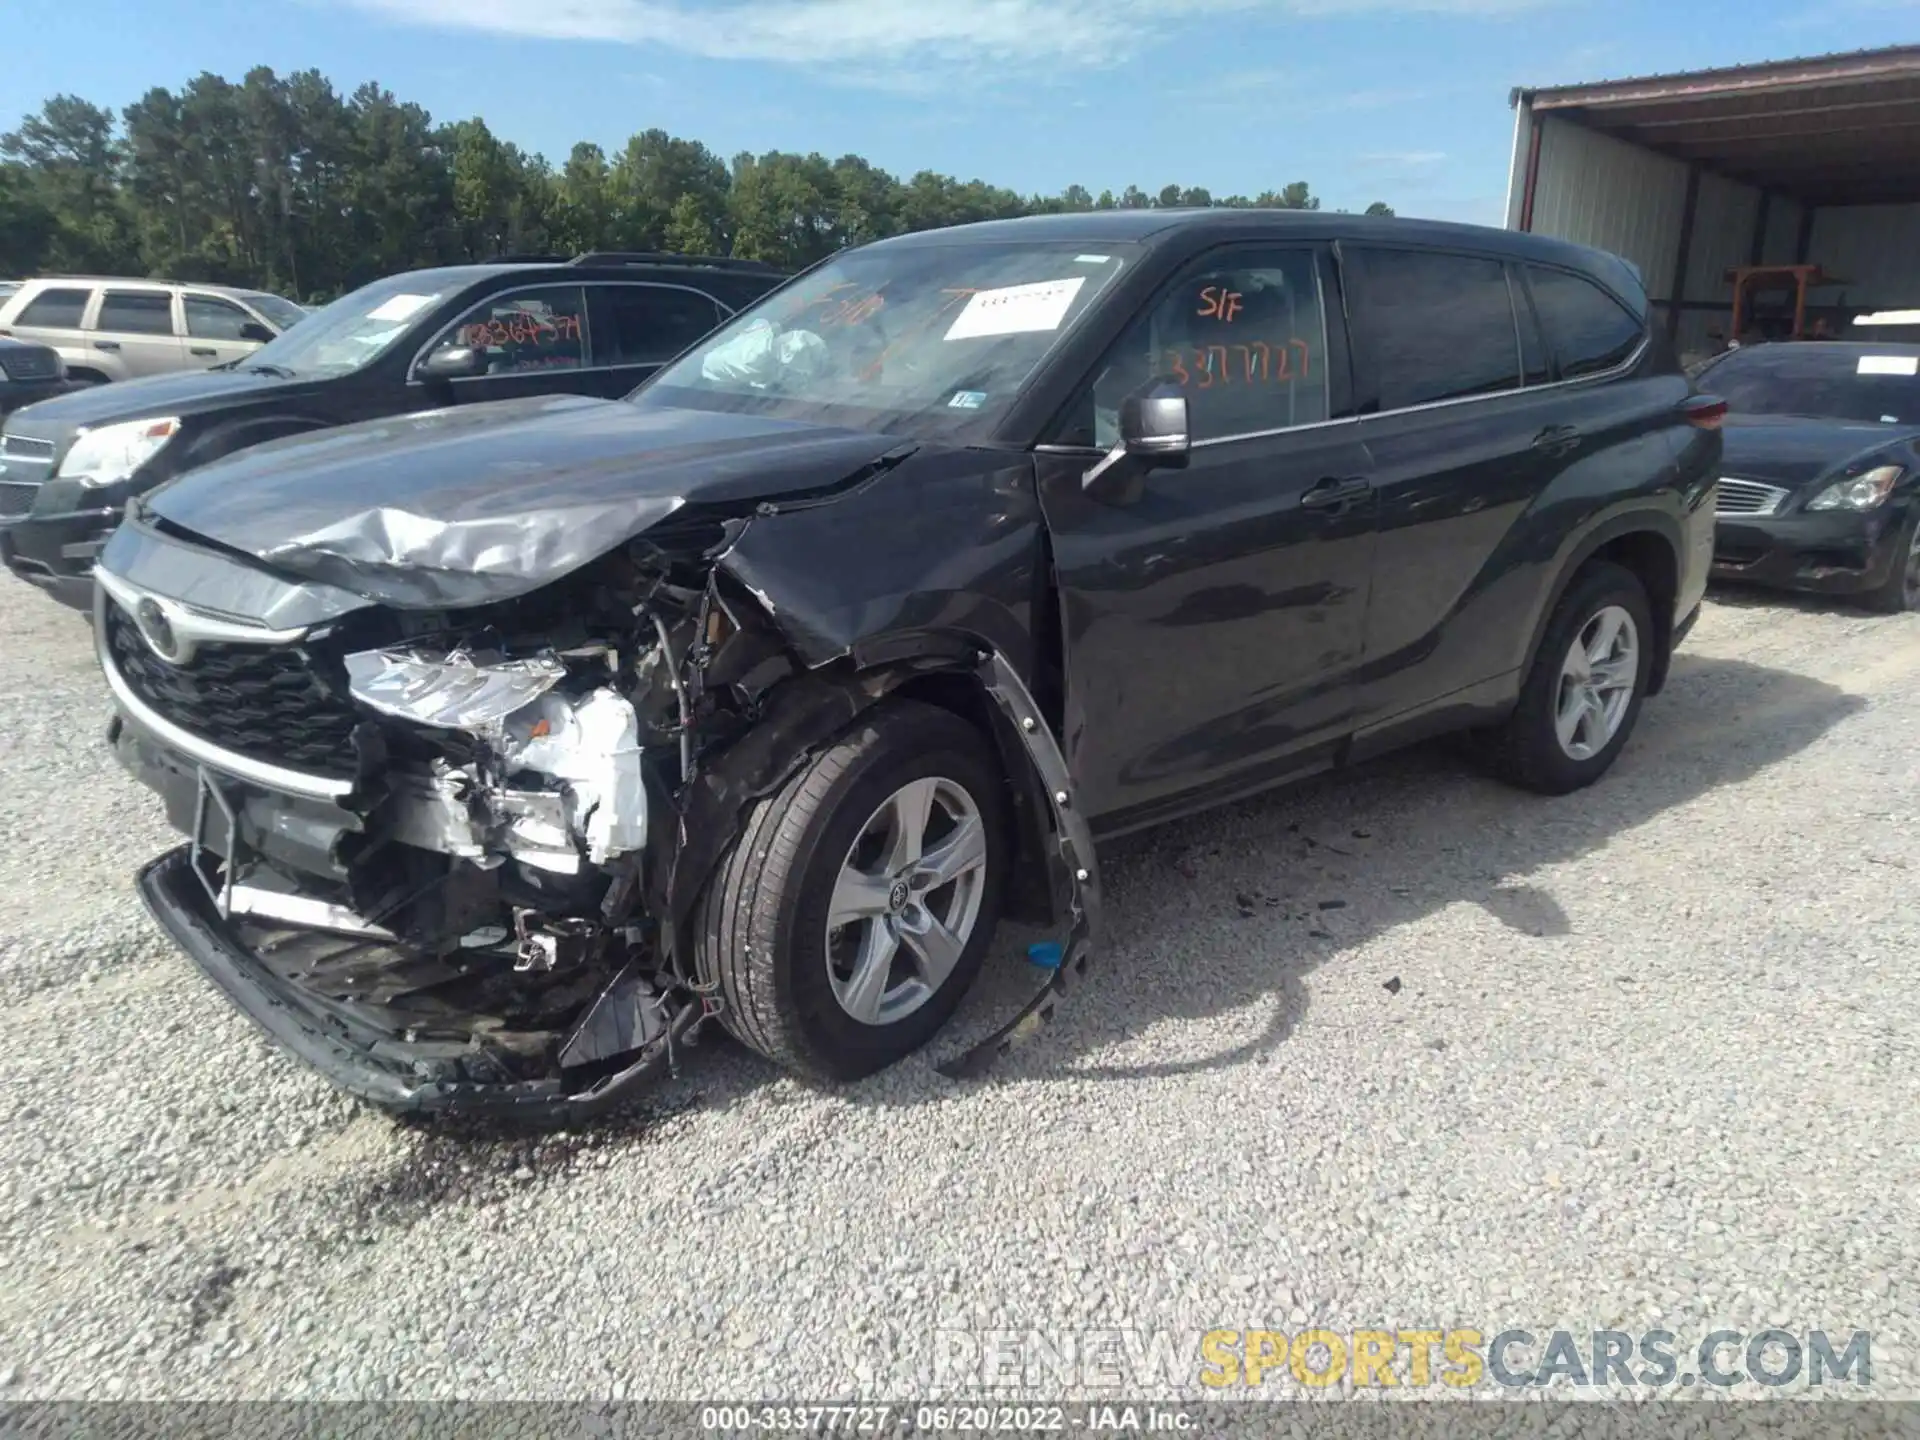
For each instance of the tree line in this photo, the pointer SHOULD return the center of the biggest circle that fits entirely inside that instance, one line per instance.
(284, 184)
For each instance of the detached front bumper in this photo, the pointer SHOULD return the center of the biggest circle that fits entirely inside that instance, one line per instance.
(1830, 553)
(399, 1048)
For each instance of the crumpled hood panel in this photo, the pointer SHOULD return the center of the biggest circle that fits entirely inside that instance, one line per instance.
(481, 503)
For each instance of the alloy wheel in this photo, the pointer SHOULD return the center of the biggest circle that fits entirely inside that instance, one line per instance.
(1597, 679)
(906, 901)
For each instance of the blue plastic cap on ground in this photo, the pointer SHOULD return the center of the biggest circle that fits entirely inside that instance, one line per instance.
(1047, 955)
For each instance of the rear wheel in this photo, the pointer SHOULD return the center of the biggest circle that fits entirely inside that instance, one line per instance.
(1901, 589)
(1582, 696)
(850, 918)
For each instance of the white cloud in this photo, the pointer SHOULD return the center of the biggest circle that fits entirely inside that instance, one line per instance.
(876, 41)
(1404, 159)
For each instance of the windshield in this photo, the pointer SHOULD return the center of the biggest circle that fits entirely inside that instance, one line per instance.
(920, 339)
(283, 313)
(1825, 380)
(353, 330)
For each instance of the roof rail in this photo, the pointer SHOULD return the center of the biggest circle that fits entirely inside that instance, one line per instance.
(668, 257)
(528, 259)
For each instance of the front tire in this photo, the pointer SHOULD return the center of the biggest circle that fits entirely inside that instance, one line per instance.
(1582, 696)
(854, 911)
(1900, 591)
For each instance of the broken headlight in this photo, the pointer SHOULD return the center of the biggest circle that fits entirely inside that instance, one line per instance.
(450, 692)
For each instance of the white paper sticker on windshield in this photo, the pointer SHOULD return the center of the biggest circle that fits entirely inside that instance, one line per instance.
(1890, 364)
(1016, 309)
(400, 307)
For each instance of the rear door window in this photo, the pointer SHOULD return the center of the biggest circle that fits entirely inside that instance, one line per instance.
(1433, 326)
(55, 309)
(1588, 329)
(136, 312)
(650, 324)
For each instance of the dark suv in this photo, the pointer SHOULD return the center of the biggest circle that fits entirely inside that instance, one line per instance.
(512, 743)
(428, 339)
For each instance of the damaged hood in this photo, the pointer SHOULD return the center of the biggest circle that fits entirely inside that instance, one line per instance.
(481, 503)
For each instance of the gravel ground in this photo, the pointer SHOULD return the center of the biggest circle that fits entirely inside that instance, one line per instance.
(1407, 1049)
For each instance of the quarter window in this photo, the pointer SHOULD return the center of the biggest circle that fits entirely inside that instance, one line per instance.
(526, 330)
(136, 312)
(1243, 338)
(650, 324)
(1589, 328)
(1434, 326)
(211, 318)
(55, 309)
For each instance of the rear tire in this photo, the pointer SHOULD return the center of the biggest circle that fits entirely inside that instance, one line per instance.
(841, 1003)
(1566, 731)
(1900, 591)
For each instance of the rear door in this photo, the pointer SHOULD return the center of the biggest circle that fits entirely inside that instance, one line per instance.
(137, 327)
(217, 330)
(638, 328)
(1214, 621)
(1462, 445)
(532, 341)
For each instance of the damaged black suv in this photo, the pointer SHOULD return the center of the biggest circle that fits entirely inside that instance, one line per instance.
(512, 742)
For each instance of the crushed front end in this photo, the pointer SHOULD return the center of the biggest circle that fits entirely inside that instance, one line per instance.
(425, 851)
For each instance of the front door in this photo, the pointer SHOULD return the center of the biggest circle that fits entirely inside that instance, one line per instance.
(218, 331)
(1215, 620)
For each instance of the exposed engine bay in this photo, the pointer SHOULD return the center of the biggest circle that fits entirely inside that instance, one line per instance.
(476, 897)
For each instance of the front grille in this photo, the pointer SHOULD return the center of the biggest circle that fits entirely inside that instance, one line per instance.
(19, 447)
(16, 498)
(30, 364)
(25, 463)
(1747, 497)
(265, 702)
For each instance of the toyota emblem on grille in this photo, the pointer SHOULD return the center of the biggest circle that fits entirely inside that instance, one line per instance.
(157, 631)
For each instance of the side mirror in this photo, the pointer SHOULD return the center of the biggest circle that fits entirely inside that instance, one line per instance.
(453, 362)
(1153, 433)
(254, 331)
(1153, 424)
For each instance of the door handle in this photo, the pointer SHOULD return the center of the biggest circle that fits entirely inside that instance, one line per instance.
(1337, 493)
(1557, 440)
(106, 344)
(202, 350)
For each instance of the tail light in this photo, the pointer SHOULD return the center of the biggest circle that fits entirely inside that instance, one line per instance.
(1705, 412)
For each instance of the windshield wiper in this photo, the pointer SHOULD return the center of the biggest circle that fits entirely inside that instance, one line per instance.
(280, 370)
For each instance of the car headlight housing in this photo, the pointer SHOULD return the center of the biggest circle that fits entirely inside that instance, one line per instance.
(108, 454)
(1858, 492)
(452, 691)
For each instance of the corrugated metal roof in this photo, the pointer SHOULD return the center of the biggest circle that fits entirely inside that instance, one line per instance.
(1841, 129)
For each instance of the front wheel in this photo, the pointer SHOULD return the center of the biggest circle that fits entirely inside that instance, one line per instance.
(1900, 591)
(854, 911)
(1583, 694)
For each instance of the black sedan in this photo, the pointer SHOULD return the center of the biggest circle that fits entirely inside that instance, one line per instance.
(1820, 480)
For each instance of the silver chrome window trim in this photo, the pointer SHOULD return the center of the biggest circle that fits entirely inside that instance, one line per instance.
(1599, 375)
(109, 588)
(727, 312)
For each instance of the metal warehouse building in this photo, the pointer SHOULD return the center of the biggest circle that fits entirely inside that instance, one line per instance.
(1692, 177)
